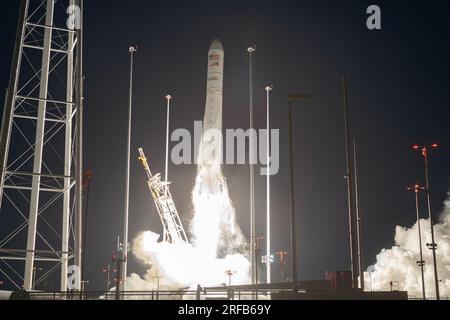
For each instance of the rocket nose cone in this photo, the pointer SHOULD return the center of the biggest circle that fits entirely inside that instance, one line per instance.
(216, 45)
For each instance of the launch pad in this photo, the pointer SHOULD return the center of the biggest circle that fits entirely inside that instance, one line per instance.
(311, 290)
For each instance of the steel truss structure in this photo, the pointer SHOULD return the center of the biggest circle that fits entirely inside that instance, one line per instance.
(173, 231)
(41, 149)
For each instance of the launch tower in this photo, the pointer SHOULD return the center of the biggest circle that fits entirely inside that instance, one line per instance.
(41, 149)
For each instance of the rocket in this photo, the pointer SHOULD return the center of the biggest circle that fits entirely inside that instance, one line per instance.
(211, 146)
(210, 151)
(214, 84)
(214, 227)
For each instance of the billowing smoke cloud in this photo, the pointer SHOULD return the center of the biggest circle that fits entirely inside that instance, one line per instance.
(399, 264)
(215, 249)
(182, 266)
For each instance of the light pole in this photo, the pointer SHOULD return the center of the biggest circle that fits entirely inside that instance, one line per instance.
(268, 239)
(432, 246)
(292, 99)
(251, 51)
(350, 177)
(168, 98)
(78, 247)
(421, 263)
(123, 275)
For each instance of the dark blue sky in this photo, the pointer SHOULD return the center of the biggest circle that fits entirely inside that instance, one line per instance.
(398, 95)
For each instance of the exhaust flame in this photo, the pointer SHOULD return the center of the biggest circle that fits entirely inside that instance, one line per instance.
(214, 228)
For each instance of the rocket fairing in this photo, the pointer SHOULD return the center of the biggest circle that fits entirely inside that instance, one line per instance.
(211, 146)
(214, 93)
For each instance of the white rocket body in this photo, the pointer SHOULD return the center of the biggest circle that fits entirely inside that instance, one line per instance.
(210, 151)
(216, 233)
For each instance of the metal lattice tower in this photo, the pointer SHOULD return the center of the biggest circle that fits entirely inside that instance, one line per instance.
(173, 231)
(41, 149)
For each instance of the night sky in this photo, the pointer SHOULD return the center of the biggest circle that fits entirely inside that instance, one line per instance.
(398, 95)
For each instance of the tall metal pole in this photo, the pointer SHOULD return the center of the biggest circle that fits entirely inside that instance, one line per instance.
(350, 192)
(293, 98)
(123, 274)
(359, 223)
(432, 245)
(421, 263)
(268, 239)
(292, 202)
(79, 154)
(168, 98)
(68, 159)
(254, 265)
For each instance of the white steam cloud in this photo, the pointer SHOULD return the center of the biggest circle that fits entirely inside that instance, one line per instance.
(399, 264)
(215, 249)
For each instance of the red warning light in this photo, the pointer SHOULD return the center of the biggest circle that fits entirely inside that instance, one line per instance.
(435, 145)
(416, 147)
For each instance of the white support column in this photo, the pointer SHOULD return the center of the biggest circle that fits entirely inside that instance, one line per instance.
(37, 167)
(67, 161)
(253, 243)
(268, 236)
(78, 215)
(166, 174)
(125, 246)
